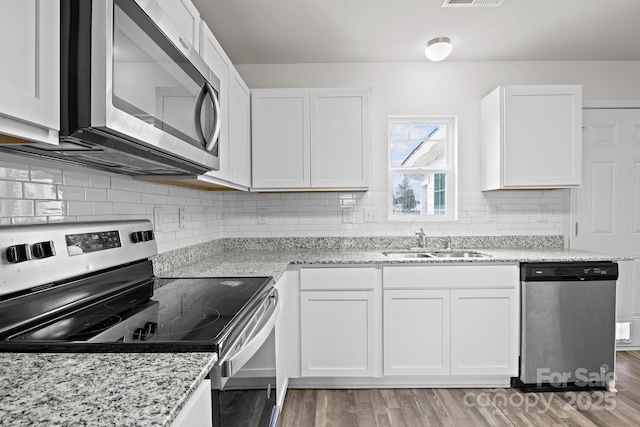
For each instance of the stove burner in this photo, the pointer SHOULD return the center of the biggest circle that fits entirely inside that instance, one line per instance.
(92, 325)
(187, 325)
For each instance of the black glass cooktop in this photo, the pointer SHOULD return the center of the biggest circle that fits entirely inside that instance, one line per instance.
(161, 315)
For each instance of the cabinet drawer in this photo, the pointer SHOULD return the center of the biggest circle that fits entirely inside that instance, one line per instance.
(346, 278)
(451, 276)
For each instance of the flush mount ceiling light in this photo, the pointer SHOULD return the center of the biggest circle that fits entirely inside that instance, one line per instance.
(438, 48)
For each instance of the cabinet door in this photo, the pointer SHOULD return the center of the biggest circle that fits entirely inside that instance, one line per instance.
(484, 332)
(280, 139)
(340, 138)
(416, 332)
(30, 74)
(239, 130)
(197, 410)
(337, 334)
(186, 18)
(217, 60)
(542, 136)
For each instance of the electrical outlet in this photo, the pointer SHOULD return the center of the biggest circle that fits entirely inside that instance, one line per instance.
(370, 214)
(182, 218)
(157, 218)
(543, 213)
(262, 216)
(492, 214)
(347, 215)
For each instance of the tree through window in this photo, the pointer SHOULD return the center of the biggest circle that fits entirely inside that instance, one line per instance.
(422, 166)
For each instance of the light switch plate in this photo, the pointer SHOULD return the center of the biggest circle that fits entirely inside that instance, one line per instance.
(370, 214)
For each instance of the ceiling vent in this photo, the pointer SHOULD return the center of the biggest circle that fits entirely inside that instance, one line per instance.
(471, 3)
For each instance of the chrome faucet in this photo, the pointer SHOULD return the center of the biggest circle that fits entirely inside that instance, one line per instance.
(448, 243)
(422, 238)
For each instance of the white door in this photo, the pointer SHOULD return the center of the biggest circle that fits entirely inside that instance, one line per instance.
(607, 207)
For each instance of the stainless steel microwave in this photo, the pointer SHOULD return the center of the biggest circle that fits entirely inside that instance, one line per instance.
(136, 98)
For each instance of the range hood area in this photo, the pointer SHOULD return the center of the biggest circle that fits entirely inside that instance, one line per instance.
(129, 158)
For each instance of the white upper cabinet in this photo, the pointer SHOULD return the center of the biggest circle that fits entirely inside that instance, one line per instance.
(531, 137)
(235, 133)
(217, 60)
(240, 130)
(30, 75)
(280, 139)
(340, 138)
(186, 18)
(310, 139)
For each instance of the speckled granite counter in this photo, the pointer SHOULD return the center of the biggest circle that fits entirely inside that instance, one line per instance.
(97, 389)
(150, 389)
(274, 262)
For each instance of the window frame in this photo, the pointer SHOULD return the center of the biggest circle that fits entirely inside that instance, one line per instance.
(450, 170)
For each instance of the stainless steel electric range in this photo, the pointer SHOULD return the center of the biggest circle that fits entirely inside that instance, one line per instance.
(90, 287)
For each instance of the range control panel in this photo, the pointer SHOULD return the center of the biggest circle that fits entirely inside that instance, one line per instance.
(36, 254)
(536, 272)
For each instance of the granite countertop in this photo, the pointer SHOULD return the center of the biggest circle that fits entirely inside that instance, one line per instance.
(131, 389)
(274, 263)
(115, 389)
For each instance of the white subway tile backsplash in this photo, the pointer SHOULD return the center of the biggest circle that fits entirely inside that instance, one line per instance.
(79, 208)
(14, 171)
(39, 191)
(66, 192)
(50, 208)
(96, 194)
(116, 195)
(30, 193)
(10, 190)
(16, 208)
(79, 179)
(99, 181)
(48, 175)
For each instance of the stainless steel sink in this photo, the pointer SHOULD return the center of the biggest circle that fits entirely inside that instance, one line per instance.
(434, 254)
(457, 254)
(407, 255)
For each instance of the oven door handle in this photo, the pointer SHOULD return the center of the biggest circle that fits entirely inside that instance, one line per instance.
(229, 366)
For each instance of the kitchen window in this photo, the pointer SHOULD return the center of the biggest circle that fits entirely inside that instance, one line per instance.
(422, 168)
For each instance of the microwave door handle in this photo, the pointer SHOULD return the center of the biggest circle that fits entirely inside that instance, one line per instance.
(217, 110)
(207, 89)
(232, 364)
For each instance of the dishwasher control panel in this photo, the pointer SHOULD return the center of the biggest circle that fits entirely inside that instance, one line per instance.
(574, 271)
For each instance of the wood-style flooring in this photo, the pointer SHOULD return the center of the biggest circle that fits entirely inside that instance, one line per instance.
(470, 407)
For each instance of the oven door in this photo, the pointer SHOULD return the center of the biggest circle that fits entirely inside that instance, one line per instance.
(244, 382)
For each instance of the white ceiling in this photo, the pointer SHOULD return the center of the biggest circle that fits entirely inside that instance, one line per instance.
(307, 31)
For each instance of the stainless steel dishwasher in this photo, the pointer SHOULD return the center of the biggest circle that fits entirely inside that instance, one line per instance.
(567, 325)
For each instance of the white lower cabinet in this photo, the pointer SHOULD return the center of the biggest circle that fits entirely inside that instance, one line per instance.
(337, 334)
(436, 325)
(197, 410)
(484, 332)
(451, 320)
(338, 322)
(416, 332)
